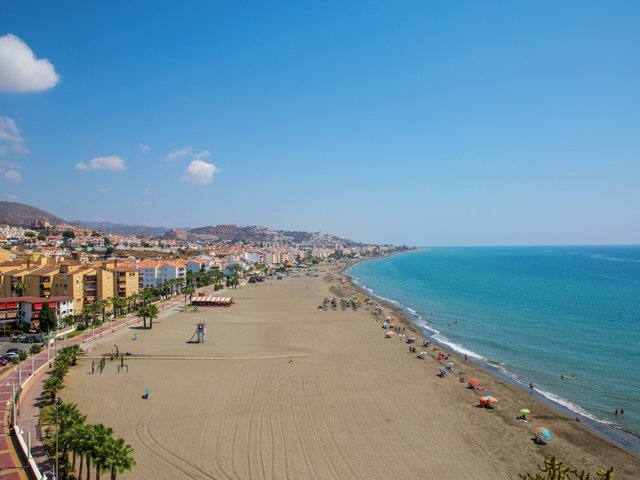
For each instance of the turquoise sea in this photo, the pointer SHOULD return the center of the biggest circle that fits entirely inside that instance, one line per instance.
(533, 314)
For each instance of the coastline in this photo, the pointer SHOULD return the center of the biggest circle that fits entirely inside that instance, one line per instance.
(284, 388)
(621, 438)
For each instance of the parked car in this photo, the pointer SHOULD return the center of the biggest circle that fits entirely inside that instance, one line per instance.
(17, 351)
(3, 361)
(10, 356)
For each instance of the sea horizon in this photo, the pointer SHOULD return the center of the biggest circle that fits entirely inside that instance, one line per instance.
(433, 285)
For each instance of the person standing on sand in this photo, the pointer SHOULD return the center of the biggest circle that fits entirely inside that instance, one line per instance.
(531, 387)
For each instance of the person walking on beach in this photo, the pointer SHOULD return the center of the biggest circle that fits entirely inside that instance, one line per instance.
(531, 387)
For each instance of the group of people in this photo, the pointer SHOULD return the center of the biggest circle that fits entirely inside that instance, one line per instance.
(621, 412)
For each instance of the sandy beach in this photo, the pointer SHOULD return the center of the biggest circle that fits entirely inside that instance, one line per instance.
(284, 390)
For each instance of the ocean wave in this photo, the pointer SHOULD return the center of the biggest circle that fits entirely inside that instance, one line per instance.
(599, 256)
(571, 406)
(457, 347)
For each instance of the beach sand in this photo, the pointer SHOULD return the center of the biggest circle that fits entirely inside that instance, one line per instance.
(284, 390)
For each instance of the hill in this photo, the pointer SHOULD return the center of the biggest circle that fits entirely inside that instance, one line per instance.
(122, 229)
(19, 214)
(258, 234)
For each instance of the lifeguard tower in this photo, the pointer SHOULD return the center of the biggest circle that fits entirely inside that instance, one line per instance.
(201, 329)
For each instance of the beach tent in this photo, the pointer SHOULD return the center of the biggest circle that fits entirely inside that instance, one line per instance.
(210, 301)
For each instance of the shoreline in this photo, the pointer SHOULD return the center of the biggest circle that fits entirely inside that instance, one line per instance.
(289, 386)
(628, 441)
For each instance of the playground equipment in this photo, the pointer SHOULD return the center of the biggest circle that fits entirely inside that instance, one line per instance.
(201, 329)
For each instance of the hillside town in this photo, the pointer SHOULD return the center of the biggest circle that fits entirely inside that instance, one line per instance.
(79, 272)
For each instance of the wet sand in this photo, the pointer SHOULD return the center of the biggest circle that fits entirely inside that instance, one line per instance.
(284, 390)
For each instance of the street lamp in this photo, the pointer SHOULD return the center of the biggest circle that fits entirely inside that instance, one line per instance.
(13, 400)
(58, 402)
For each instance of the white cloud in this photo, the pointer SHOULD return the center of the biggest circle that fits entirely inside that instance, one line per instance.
(200, 172)
(112, 162)
(20, 70)
(13, 176)
(178, 153)
(104, 190)
(10, 136)
(11, 196)
(202, 154)
(144, 148)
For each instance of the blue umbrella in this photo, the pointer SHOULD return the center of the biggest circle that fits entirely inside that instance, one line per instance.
(544, 433)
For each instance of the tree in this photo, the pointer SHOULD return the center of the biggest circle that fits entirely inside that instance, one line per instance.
(188, 292)
(119, 458)
(68, 416)
(47, 318)
(118, 303)
(554, 469)
(131, 301)
(150, 312)
(100, 451)
(68, 235)
(20, 288)
(51, 387)
(105, 303)
(41, 237)
(90, 312)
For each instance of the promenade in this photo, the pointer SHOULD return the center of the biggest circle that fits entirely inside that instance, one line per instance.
(30, 373)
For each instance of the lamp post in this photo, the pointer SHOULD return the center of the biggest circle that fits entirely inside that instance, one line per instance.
(58, 402)
(13, 401)
(19, 373)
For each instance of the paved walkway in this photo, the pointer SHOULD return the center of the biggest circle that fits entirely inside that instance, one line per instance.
(12, 465)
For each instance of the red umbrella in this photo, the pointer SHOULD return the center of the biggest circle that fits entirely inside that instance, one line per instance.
(473, 382)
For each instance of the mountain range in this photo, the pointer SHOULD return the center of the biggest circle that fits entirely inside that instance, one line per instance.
(19, 214)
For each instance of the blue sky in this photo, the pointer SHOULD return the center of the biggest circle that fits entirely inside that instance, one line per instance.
(428, 123)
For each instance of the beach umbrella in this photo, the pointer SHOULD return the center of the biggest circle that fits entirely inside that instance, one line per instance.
(524, 411)
(450, 364)
(483, 400)
(543, 433)
(443, 370)
(492, 399)
(473, 382)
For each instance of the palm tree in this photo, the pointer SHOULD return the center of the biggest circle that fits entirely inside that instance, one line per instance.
(71, 352)
(149, 311)
(188, 292)
(119, 303)
(104, 304)
(20, 288)
(51, 386)
(131, 301)
(179, 285)
(72, 440)
(119, 458)
(100, 453)
(90, 311)
(68, 416)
